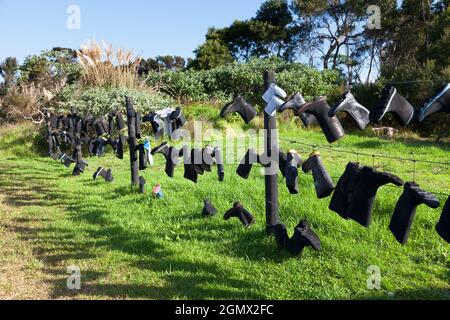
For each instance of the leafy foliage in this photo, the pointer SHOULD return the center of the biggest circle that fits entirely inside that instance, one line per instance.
(100, 100)
(246, 79)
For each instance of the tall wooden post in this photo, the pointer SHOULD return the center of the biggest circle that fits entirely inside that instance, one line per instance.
(271, 178)
(132, 142)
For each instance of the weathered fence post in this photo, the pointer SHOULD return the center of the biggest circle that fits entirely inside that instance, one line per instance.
(271, 178)
(132, 142)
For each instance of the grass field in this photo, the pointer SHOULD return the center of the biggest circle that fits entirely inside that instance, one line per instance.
(133, 246)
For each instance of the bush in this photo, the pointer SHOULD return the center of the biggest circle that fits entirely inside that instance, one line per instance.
(246, 79)
(99, 100)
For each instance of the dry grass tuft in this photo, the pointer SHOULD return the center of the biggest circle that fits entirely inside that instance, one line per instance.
(105, 66)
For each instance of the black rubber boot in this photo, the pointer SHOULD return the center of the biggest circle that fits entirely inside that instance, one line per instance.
(109, 176)
(439, 102)
(208, 209)
(105, 174)
(207, 158)
(100, 127)
(322, 180)
(120, 146)
(392, 102)
(295, 102)
(67, 161)
(219, 162)
(363, 198)
(57, 155)
(97, 173)
(178, 118)
(191, 170)
(405, 210)
(138, 125)
(353, 108)
(443, 226)
(142, 183)
(171, 154)
(293, 162)
(345, 187)
(239, 105)
(142, 158)
(79, 168)
(282, 162)
(331, 127)
(244, 168)
(281, 235)
(119, 121)
(238, 211)
(303, 237)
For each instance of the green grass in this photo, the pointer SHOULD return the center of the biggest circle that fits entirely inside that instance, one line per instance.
(133, 246)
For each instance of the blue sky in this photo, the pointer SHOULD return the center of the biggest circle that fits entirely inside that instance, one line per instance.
(152, 27)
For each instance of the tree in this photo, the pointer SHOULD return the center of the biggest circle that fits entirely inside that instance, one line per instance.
(8, 71)
(214, 52)
(166, 62)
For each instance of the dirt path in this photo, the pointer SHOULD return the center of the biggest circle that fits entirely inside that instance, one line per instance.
(21, 273)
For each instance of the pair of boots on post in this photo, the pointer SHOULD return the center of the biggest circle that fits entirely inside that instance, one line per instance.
(303, 237)
(356, 191)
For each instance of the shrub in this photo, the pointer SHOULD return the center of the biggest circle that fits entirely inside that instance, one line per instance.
(99, 100)
(246, 79)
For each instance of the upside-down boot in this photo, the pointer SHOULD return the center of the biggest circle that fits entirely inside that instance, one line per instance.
(142, 183)
(282, 162)
(171, 154)
(79, 168)
(353, 108)
(443, 226)
(178, 118)
(439, 102)
(281, 235)
(363, 198)
(119, 121)
(238, 211)
(331, 127)
(120, 146)
(57, 155)
(239, 105)
(293, 162)
(208, 209)
(67, 161)
(322, 180)
(303, 237)
(142, 158)
(392, 102)
(191, 170)
(344, 189)
(219, 163)
(138, 125)
(405, 210)
(244, 168)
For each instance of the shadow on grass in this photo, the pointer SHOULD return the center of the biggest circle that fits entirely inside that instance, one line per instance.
(96, 235)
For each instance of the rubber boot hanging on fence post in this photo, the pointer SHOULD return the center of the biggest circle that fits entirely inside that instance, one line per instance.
(271, 178)
(131, 119)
